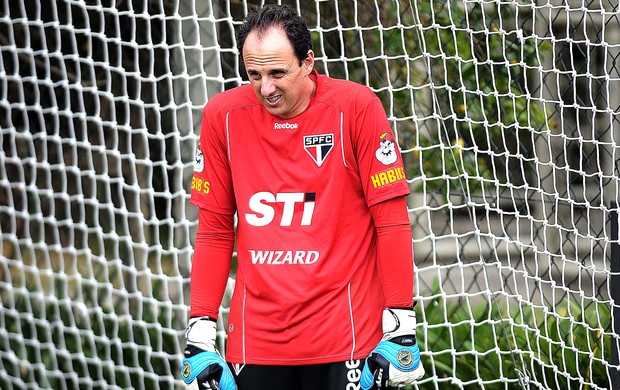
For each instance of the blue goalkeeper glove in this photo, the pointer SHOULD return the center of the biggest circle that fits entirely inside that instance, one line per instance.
(396, 359)
(203, 367)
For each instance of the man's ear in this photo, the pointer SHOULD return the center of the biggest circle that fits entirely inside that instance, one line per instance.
(308, 63)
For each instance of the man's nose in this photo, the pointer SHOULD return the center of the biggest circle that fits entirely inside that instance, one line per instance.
(267, 86)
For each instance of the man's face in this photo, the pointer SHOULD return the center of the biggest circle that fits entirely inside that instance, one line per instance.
(281, 84)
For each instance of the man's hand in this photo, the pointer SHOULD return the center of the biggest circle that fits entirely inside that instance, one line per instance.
(396, 359)
(203, 368)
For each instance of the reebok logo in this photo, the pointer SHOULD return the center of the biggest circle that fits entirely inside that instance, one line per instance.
(285, 126)
(354, 374)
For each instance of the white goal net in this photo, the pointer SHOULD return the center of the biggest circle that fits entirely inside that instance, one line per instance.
(508, 116)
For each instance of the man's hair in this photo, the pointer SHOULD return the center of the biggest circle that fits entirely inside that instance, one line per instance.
(283, 16)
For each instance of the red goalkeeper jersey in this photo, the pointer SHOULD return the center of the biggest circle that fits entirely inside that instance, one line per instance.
(307, 289)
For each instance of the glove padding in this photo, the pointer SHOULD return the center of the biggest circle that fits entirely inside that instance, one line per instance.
(396, 359)
(203, 367)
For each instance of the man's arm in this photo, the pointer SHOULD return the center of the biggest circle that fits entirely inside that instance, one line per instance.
(394, 252)
(203, 367)
(396, 359)
(211, 262)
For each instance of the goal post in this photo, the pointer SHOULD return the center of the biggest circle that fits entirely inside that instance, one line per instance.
(507, 115)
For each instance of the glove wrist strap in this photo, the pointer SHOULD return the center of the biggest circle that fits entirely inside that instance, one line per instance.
(398, 322)
(201, 332)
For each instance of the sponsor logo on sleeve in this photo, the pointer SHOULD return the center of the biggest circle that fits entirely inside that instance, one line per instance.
(386, 153)
(201, 185)
(387, 177)
(318, 146)
(199, 160)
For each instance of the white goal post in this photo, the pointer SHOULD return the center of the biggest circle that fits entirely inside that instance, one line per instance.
(507, 114)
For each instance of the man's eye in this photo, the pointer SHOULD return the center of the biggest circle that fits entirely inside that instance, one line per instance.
(278, 74)
(255, 76)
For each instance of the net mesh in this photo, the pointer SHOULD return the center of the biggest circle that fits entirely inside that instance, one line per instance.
(507, 117)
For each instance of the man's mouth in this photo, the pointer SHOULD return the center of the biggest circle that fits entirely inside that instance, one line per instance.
(273, 100)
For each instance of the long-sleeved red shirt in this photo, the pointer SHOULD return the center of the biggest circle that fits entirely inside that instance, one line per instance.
(323, 237)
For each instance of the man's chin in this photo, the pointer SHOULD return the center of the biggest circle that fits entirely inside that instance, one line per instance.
(275, 111)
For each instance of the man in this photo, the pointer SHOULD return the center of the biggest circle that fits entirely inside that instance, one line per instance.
(324, 287)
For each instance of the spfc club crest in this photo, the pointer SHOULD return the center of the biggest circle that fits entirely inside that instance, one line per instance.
(318, 146)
